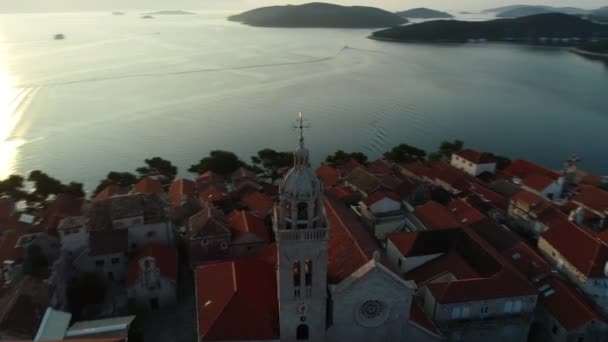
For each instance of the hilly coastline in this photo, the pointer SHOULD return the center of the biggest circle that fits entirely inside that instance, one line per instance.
(319, 15)
(543, 27)
(424, 13)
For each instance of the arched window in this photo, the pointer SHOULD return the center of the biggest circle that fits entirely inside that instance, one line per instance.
(302, 211)
(302, 332)
(296, 273)
(308, 272)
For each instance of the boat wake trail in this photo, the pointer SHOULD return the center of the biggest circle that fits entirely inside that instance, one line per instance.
(185, 72)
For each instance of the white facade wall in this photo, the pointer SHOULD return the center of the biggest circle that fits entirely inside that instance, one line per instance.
(471, 168)
(375, 285)
(382, 229)
(74, 240)
(501, 307)
(112, 267)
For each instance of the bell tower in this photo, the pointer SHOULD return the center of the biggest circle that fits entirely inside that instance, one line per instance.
(302, 234)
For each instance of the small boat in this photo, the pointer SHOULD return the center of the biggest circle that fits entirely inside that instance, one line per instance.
(147, 17)
(118, 13)
(59, 36)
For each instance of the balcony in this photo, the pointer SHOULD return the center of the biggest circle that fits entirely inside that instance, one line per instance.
(303, 235)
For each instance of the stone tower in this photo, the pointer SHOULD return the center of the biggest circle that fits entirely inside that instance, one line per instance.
(302, 234)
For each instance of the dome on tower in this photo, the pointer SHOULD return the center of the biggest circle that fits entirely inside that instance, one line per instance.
(302, 183)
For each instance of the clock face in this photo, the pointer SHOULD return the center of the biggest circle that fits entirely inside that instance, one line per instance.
(302, 309)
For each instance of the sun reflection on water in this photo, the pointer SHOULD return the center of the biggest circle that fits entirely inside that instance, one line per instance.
(11, 109)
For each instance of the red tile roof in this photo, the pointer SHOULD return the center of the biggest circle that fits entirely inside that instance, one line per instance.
(434, 216)
(165, 258)
(237, 300)
(489, 196)
(527, 261)
(341, 192)
(349, 167)
(504, 284)
(522, 168)
(259, 204)
(241, 222)
(537, 182)
(61, 207)
(349, 246)
(109, 242)
(417, 168)
(363, 180)
(449, 174)
(380, 167)
(427, 242)
(418, 316)
(592, 197)
(148, 185)
(379, 195)
(268, 254)
(568, 306)
(110, 191)
(179, 189)
(534, 202)
(475, 157)
(450, 262)
(591, 179)
(464, 212)
(329, 175)
(579, 246)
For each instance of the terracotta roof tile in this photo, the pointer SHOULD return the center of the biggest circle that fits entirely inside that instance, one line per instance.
(110, 191)
(363, 180)
(148, 185)
(475, 157)
(418, 169)
(531, 201)
(592, 179)
(241, 222)
(165, 258)
(464, 212)
(259, 204)
(180, 190)
(427, 242)
(210, 221)
(329, 175)
(209, 178)
(341, 192)
(434, 216)
(349, 246)
(214, 193)
(579, 246)
(592, 197)
(537, 182)
(8, 249)
(450, 262)
(380, 167)
(567, 305)
(349, 167)
(522, 168)
(237, 300)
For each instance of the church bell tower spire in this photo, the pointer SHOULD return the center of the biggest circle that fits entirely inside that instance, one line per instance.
(301, 232)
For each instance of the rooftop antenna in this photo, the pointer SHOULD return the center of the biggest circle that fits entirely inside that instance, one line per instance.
(301, 124)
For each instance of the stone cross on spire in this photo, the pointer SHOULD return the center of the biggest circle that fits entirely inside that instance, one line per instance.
(300, 124)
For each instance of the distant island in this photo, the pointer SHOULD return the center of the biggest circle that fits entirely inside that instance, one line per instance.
(524, 10)
(319, 15)
(600, 15)
(171, 13)
(543, 28)
(424, 13)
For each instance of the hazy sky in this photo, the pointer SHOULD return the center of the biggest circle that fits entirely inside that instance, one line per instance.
(92, 5)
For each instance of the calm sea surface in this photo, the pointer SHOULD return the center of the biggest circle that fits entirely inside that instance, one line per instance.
(120, 89)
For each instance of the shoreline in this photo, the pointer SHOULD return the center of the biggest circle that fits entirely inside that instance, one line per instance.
(588, 53)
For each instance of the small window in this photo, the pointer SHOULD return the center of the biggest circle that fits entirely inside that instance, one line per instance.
(115, 261)
(296, 273)
(508, 307)
(484, 309)
(456, 313)
(308, 271)
(399, 262)
(517, 307)
(302, 333)
(99, 263)
(302, 211)
(555, 329)
(151, 234)
(466, 312)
